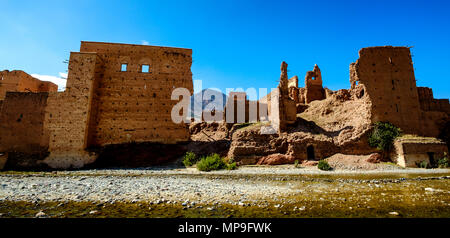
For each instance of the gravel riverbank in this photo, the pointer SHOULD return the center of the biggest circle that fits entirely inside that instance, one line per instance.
(248, 186)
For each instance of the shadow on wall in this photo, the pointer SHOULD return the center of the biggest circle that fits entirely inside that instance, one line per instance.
(445, 134)
(135, 155)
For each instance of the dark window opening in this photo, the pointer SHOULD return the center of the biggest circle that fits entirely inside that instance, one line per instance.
(20, 118)
(124, 67)
(310, 152)
(396, 106)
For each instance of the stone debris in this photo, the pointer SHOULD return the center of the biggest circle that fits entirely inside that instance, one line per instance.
(41, 214)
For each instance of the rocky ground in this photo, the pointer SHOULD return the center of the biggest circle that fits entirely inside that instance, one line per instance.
(251, 191)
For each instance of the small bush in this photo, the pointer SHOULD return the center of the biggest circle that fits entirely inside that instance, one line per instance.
(423, 164)
(323, 165)
(444, 162)
(232, 166)
(210, 163)
(383, 136)
(190, 159)
(296, 164)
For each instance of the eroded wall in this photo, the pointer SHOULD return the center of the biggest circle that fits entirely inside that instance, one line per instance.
(19, 81)
(22, 123)
(135, 106)
(387, 74)
(67, 116)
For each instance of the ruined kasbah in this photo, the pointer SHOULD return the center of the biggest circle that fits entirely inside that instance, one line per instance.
(120, 108)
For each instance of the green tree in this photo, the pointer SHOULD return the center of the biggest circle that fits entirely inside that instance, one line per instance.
(383, 136)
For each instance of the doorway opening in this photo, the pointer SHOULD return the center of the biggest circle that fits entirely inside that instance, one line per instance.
(431, 158)
(310, 152)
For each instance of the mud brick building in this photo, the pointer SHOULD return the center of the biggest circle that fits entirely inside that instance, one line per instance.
(386, 75)
(115, 94)
(383, 88)
(409, 152)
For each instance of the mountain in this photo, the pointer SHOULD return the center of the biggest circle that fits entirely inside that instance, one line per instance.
(207, 104)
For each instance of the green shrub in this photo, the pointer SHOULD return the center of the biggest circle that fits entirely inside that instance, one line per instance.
(323, 165)
(190, 159)
(383, 136)
(444, 162)
(423, 164)
(232, 166)
(296, 164)
(211, 162)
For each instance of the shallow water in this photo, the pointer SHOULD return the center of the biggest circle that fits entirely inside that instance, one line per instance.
(380, 195)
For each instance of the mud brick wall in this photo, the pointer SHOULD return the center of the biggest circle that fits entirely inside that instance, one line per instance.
(428, 103)
(19, 81)
(22, 123)
(408, 154)
(67, 113)
(314, 92)
(135, 106)
(387, 74)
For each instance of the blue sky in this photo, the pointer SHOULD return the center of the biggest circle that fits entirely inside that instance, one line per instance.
(236, 44)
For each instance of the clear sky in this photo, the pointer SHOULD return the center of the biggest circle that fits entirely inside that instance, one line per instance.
(236, 44)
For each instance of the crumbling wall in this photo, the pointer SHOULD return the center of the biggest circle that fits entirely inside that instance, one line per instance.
(19, 81)
(313, 85)
(135, 106)
(237, 103)
(22, 123)
(67, 113)
(428, 103)
(387, 74)
(435, 113)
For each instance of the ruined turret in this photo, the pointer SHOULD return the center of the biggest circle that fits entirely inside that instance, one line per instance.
(313, 85)
(288, 111)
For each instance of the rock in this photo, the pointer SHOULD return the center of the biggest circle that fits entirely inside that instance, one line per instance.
(433, 190)
(241, 204)
(276, 159)
(394, 213)
(93, 212)
(310, 163)
(375, 158)
(41, 214)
